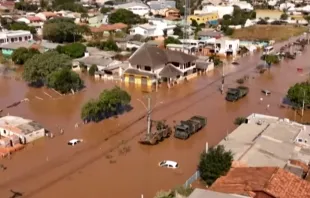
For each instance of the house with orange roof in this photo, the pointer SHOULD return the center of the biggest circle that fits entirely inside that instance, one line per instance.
(16, 130)
(262, 182)
(105, 29)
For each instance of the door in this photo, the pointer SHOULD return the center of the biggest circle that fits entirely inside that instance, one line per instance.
(144, 81)
(132, 79)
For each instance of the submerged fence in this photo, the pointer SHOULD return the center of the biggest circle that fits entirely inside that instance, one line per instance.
(192, 178)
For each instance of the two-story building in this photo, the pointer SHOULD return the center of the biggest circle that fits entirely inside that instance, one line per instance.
(161, 4)
(226, 47)
(150, 65)
(15, 36)
(140, 9)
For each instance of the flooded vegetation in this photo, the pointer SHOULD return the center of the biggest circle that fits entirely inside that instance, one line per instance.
(110, 156)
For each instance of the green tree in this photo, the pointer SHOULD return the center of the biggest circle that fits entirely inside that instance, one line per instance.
(74, 50)
(240, 120)
(284, 16)
(21, 26)
(126, 17)
(92, 70)
(24, 6)
(61, 30)
(270, 59)
(215, 163)
(22, 54)
(37, 68)
(298, 93)
(171, 40)
(110, 102)
(64, 80)
(194, 23)
(105, 10)
(216, 60)
(178, 31)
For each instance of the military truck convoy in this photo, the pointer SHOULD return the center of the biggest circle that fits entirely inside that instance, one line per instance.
(188, 127)
(234, 94)
(181, 131)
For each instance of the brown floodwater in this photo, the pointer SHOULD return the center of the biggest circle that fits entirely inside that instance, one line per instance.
(99, 167)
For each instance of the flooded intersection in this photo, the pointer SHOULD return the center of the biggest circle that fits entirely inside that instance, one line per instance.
(110, 162)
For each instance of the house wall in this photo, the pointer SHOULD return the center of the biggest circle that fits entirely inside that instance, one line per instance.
(220, 10)
(17, 37)
(202, 19)
(142, 31)
(139, 10)
(138, 79)
(41, 16)
(25, 20)
(35, 135)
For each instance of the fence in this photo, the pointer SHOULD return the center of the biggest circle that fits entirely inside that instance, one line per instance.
(193, 178)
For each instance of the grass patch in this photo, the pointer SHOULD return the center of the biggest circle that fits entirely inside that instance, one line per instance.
(268, 32)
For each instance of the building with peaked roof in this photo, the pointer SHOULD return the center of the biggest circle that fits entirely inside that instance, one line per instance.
(262, 182)
(202, 193)
(152, 64)
(138, 8)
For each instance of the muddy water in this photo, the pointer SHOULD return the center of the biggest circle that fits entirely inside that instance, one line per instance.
(99, 167)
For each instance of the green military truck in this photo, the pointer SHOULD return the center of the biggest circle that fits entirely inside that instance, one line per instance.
(234, 94)
(186, 128)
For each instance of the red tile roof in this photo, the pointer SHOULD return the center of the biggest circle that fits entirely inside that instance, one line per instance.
(109, 27)
(34, 19)
(275, 182)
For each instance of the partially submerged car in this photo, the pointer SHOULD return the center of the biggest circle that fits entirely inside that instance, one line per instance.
(74, 142)
(266, 92)
(168, 164)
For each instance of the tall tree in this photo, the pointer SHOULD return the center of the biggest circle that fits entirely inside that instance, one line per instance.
(126, 17)
(299, 93)
(40, 66)
(21, 55)
(215, 163)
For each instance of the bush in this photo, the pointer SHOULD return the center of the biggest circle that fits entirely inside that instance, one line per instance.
(240, 81)
(21, 55)
(92, 70)
(240, 120)
(215, 163)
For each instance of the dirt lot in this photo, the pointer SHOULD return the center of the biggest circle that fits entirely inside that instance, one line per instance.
(268, 32)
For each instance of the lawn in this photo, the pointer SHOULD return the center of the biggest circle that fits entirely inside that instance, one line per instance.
(268, 32)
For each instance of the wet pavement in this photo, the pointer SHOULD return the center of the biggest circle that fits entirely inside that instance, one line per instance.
(110, 162)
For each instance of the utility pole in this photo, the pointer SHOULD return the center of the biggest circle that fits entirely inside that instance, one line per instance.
(223, 80)
(149, 115)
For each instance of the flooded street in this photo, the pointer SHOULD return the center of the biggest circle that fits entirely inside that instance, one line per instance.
(110, 162)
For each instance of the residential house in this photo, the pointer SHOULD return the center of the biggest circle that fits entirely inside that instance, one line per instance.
(15, 36)
(9, 48)
(258, 182)
(97, 20)
(269, 141)
(105, 29)
(149, 65)
(207, 34)
(182, 48)
(203, 18)
(140, 9)
(7, 5)
(167, 13)
(18, 130)
(33, 21)
(226, 47)
(161, 4)
(46, 15)
(202, 193)
(221, 10)
(155, 28)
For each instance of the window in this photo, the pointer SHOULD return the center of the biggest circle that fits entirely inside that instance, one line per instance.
(147, 68)
(230, 46)
(12, 40)
(138, 67)
(4, 132)
(20, 38)
(26, 38)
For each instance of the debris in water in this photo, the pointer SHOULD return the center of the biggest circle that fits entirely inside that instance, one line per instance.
(39, 98)
(47, 94)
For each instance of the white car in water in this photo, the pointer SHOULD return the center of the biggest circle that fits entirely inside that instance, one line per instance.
(168, 164)
(74, 142)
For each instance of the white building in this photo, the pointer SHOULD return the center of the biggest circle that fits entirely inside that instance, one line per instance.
(243, 5)
(17, 130)
(155, 28)
(221, 10)
(226, 46)
(15, 36)
(140, 9)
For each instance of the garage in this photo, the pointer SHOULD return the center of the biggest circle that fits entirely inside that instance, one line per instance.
(131, 78)
(144, 80)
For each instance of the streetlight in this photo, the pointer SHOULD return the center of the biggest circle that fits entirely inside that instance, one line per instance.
(149, 111)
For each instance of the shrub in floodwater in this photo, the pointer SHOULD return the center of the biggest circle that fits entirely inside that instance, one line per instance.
(240, 120)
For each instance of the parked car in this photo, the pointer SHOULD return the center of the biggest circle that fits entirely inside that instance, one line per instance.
(168, 164)
(74, 142)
